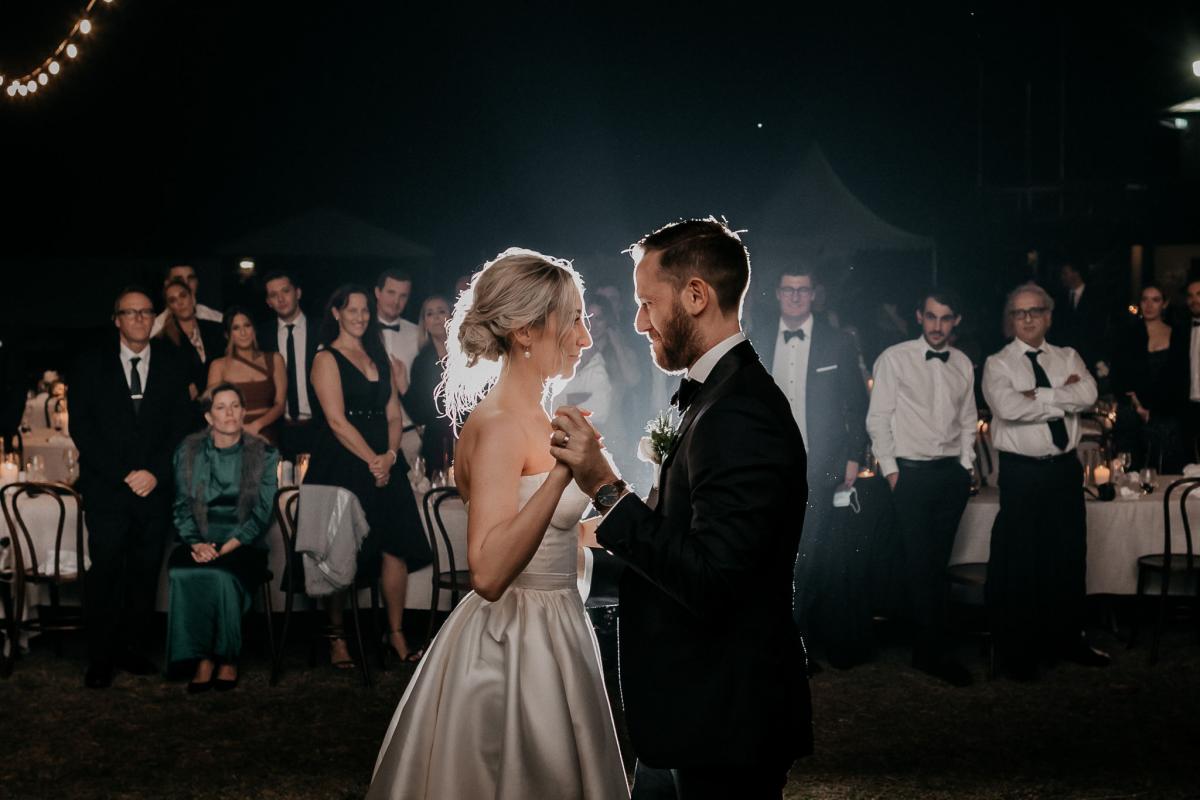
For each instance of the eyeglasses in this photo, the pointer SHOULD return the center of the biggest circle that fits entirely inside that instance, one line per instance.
(1021, 314)
(131, 313)
(795, 292)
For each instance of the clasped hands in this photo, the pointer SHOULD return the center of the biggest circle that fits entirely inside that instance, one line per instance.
(381, 465)
(203, 552)
(141, 482)
(579, 446)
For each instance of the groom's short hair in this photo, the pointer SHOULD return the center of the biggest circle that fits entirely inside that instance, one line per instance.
(705, 248)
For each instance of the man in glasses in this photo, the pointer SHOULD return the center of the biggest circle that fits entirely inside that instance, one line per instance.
(1036, 586)
(816, 366)
(922, 422)
(129, 409)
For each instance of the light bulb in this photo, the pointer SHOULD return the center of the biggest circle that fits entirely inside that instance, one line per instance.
(85, 26)
(72, 51)
(43, 79)
(31, 86)
(23, 89)
(54, 67)
(12, 90)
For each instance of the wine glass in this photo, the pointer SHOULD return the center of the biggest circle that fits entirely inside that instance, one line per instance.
(1149, 478)
(1126, 460)
(70, 458)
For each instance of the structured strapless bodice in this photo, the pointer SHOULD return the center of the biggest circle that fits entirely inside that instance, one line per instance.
(555, 564)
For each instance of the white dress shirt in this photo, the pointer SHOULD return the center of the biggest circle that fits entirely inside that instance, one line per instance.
(1076, 294)
(143, 365)
(300, 339)
(1194, 363)
(1019, 423)
(922, 408)
(705, 363)
(790, 370)
(403, 344)
(202, 312)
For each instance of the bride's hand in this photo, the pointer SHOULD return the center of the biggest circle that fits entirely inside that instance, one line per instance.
(561, 472)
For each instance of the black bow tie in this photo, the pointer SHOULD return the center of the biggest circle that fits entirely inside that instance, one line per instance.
(943, 356)
(395, 328)
(789, 335)
(687, 392)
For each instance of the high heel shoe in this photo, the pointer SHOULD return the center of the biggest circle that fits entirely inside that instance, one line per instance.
(411, 657)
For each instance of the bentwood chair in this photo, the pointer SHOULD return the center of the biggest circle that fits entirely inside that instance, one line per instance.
(24, 568)
(455, 578)
(287, 515)
(1168, 566)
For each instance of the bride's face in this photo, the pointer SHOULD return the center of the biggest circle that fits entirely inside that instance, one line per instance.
(556, 356)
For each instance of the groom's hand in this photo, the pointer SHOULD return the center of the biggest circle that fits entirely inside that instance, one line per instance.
(577, 444)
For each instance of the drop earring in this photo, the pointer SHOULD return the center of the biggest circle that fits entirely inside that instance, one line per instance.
(527, 353)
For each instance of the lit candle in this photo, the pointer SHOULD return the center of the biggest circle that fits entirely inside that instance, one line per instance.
(8, 473)
(1102, 475)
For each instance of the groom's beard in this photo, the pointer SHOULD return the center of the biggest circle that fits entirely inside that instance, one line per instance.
(679, 342)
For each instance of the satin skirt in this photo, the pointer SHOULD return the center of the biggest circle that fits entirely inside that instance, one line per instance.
(509, 702)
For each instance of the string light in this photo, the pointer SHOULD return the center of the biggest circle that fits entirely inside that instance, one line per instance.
(28, 83)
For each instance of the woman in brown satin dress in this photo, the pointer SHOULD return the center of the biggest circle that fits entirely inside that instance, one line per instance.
(260, 375)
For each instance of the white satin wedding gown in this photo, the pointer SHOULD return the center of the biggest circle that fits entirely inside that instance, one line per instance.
(509, 701)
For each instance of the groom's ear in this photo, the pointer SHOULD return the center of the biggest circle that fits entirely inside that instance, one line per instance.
(696, 296)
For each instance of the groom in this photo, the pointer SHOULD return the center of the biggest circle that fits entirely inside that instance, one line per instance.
(712, 669)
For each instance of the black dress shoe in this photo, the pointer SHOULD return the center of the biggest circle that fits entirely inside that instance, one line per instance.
(223, 685)
(136, 664)
(1082, 653)
(946, 669)
(98, 676)
(199, 687)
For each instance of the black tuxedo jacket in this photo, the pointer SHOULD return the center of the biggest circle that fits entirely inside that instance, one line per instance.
(835, 401)
(113, 440)
(268, 341)
(712, 668)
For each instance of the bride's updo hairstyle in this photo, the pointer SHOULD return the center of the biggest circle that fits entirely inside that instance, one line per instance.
(518, 288)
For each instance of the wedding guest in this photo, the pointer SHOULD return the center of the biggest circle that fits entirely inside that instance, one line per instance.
(187, 274)
(1192, 412)
(130, 408)
(1036, 584)
(1150, 371)
(437, 439)
(922, 421)
(401, 338)
(816, 366)
(1081, 321)
(296, 337)
(224, 490)
(198, 341)
(260, 376)
(358, 448)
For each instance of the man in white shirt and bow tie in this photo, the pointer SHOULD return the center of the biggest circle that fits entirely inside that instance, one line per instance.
(922, 422)
(1037, 570)
(401, 339)
(1192, 420)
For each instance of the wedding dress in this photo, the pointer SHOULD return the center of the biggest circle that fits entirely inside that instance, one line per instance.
(509, 701)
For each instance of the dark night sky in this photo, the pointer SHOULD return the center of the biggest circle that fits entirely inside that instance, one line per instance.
(573, 131)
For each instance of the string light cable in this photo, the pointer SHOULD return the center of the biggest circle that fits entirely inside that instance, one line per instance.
(68, 50)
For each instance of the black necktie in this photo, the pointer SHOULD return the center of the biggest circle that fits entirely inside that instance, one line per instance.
(943, 356)
(293, 387)
(687, 390)
(1058, 428)
(135, 384)
(789, 335)
(1195, 323)
(395, 328)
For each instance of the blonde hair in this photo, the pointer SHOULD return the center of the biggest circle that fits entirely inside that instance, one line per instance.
(516, 289)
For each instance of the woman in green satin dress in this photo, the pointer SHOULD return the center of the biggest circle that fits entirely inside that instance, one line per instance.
(225, 484)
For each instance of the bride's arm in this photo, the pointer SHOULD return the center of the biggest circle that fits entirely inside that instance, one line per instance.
(501, 540)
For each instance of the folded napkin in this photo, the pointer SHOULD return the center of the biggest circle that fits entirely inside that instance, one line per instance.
(1191, 471)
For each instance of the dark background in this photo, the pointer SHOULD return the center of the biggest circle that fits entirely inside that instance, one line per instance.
(186, 125)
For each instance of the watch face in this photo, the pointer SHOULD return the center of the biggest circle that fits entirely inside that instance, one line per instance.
(607, 495)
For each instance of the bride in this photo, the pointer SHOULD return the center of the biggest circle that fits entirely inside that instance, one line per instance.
(509, 702)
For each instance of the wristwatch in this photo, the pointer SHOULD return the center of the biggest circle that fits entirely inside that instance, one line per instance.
(608, 495)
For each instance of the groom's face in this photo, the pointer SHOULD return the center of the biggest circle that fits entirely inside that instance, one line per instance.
(661, 317)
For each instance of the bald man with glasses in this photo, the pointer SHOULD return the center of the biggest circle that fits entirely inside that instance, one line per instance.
(1036, 586)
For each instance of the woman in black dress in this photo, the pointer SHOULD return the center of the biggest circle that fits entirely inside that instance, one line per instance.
(1150, 373)
(437, 440)
(357, 448)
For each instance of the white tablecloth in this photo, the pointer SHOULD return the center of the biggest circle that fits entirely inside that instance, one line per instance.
(1118, 533)
(51, 446)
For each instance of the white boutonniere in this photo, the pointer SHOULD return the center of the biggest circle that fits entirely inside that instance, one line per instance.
(662, 431)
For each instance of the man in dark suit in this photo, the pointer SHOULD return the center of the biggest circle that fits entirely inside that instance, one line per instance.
(129, 409)
(712, 668)
(1080, 317)
(816, 367)
(296, 337)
